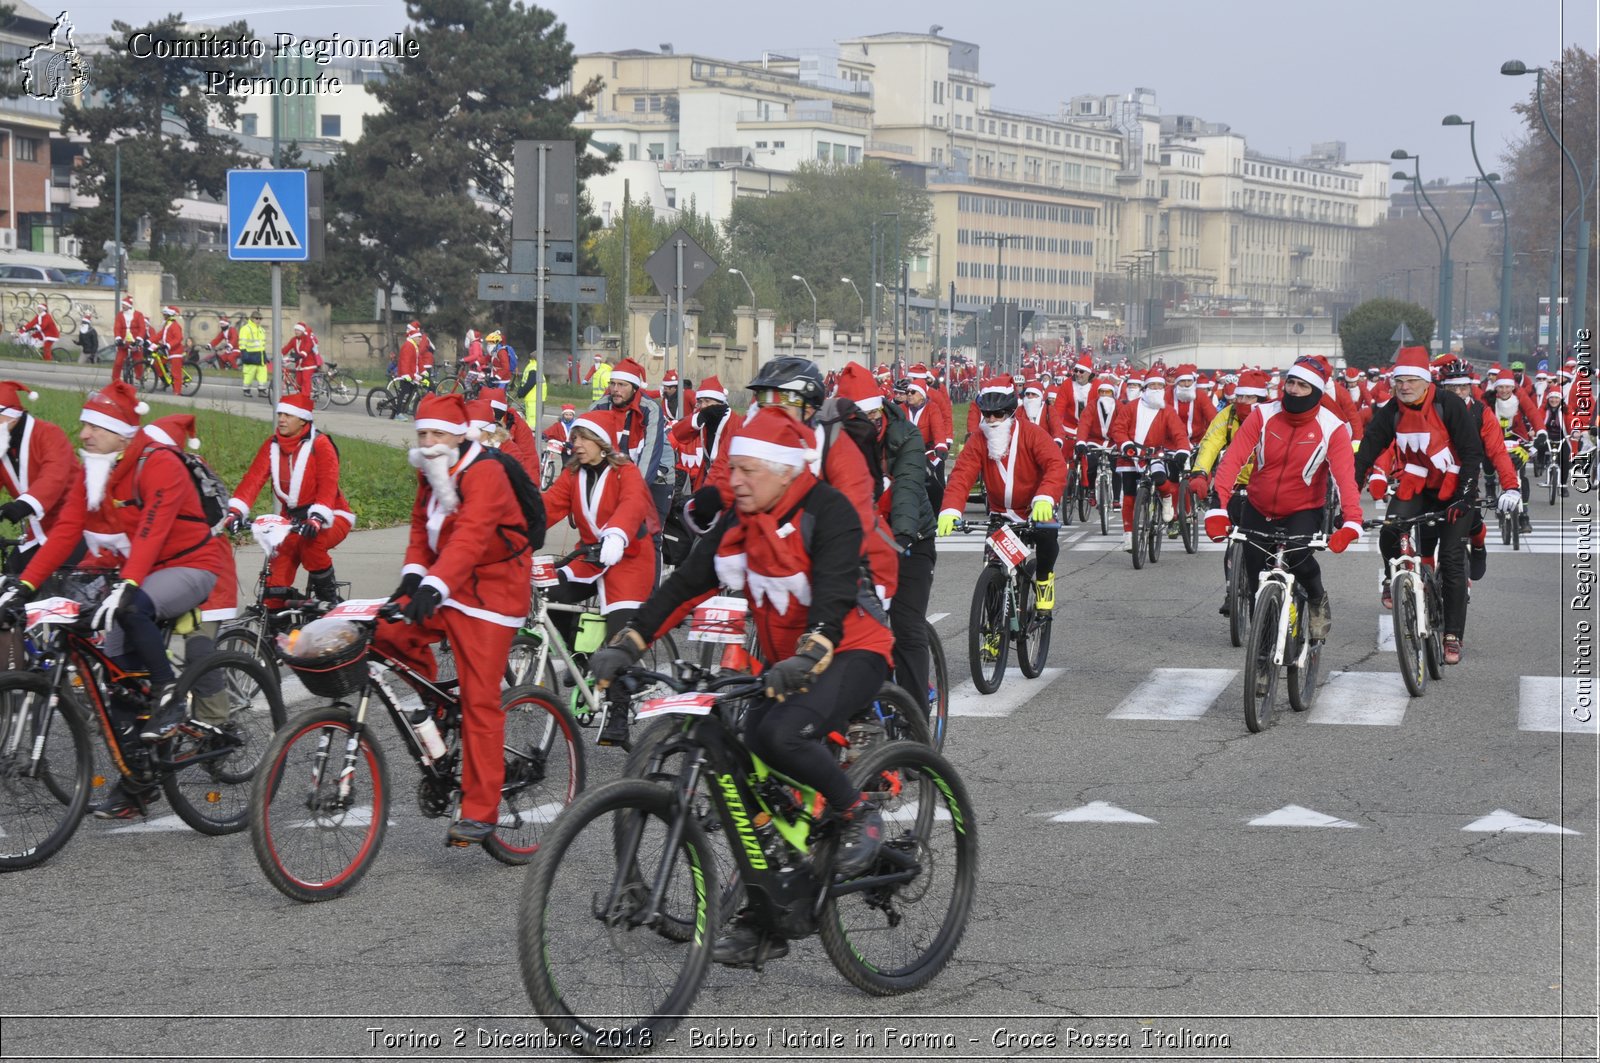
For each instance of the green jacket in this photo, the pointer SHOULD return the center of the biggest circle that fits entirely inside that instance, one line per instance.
(905, 462)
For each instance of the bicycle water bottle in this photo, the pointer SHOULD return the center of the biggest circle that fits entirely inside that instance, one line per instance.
(428, 736)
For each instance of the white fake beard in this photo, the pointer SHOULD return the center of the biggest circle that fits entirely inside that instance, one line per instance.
(435, 462)
(1155, 398)
(1354, 390)
(1107, 408)
(5, 438)
(1034, 407)
(96, 472)
(1505, 408)
(997, 435)
(1185, 394)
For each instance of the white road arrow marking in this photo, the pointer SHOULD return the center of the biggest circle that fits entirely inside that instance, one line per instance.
(1501, 820)
(1099, 812)
(1298, 816)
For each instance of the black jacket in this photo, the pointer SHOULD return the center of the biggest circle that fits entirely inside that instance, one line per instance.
(904, 461)
(1458, 422)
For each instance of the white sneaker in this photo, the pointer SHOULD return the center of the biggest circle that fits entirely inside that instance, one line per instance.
(1167, 512)
(1127, 542)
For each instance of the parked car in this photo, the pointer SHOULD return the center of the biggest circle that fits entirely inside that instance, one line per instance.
(32, 275)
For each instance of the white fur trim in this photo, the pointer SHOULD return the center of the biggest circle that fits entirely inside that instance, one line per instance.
(1216, 513)
(1043, 498)
(480, 613)
(109, 423)
(1351, 525)
(1259, 393)
(321, 511)
(229, 612)
(997, 391)
(33, 503)
(1300, 372)
(455, 428)
(592, 427)
(295, 411)
(437, 584)
(627, 378)
(238, 506)
(419, 570)
(159, 435)
(750, 447)
(1413, 371)
(872, 402)
(711, 393)
(950, 513)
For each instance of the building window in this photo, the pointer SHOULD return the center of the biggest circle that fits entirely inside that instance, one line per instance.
(657, 151)
(761, 144)
(633, 153)
(855, 156)
(824, 151)
(27, 149)
(777, 144)
(247, 124)
(330, 125)
(638, 104)
(655, 103)
(672, 197)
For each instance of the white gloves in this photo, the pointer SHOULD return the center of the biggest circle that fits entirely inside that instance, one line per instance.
(612, 543)
(1510, 501)
(106, 614)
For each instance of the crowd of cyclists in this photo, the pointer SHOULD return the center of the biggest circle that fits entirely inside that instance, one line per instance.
(821, 504)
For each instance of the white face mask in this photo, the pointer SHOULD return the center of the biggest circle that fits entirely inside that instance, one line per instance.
(1155, 398)
(997, 435)
(1185, 394)
(1034, 404)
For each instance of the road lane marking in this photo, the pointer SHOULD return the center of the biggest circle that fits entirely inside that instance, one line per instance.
(153, 826)
(1386, 632)
(1372, 699)
(1500, 820)
(936, 617)
(1099, 812)
(1550, 703)
(966, 701)
(1299, 816)
(1174, 694)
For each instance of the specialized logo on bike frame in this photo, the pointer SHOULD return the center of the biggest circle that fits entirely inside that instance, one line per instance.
(54, 67)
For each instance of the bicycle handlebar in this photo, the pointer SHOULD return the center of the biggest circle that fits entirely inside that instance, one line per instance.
(1312, 541)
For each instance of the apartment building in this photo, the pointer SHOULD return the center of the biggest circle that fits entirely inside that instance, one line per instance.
(36, 177)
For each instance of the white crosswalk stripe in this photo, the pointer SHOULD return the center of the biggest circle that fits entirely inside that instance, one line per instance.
(1174, 694)
(1364, 698)
(1547, 703)
(1014, 691)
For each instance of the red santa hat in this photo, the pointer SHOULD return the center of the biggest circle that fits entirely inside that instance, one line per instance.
(413, 329)
(999, 385)
(127, 301)
(668, 381)
(711, 388)
(1153, 379)
(1352, 375)
(857, 385)
(301, 327)
(1313, 369)
(599, 423)
(918, 371)
(568, 407)
(173, 430)
(773, 435)
(1542, 374)
(297, 405)
(169, 311)
(1251, 382)
(1186, 370)
(443, 413)
(1033, 386)
(11, 393)
(480, 417)
(115, 408)
(1504, 377)
(1085, 364)
(629, 372)
(1412, 361)
(495, 397)
(1569, 369)
(1107, 382)
(912, 385)
(44, 308)
(222, 319)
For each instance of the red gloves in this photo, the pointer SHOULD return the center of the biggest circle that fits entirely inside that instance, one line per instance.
(1347, 534)
(1199, 485)
(1377, 485)
(1411, 484)
(1217, 525)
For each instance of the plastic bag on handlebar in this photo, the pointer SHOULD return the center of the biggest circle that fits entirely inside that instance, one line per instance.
(322, 639)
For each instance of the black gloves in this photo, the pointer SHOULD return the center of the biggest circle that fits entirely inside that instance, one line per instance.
(16, 511)
(408, 585)
(703, 508)
(310, 527)
(794, 674)
(616, 657)
(423, 604)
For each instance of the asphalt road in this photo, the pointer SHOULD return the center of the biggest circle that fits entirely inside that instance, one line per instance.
(1382, 877)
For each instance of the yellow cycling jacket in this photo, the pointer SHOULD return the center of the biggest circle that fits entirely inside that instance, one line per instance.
(1218, 435)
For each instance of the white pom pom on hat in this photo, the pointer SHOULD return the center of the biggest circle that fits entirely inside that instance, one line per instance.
(142, 408)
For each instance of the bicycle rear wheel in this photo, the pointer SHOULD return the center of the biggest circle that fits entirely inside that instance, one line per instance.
(1141, 524)
(43, 798)
(208, 781)
(1102, 502)
(1188, 518)
(987, 642)
(253, 640)
(1067, 495)
(1084, 495)
(321, 397)
(1407, 643)
(544, 772)
(938, 690)
(1239, 601)
(191, 379)
(313, 841)
(1303, 679)
(897, 937)
(1260, 674)
(343, 388)
(1514, 522)
(380, 403)
(1033, 627)
(604, 981)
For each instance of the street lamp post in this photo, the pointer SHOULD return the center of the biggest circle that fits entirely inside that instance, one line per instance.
(1000, 240)
(802, 280)
(752, 291)
(1513, 68)
(1446, 268)
(863, 302)
(1491, 179)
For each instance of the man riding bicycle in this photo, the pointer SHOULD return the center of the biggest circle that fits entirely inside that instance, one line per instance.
(1021, 466)
(793, 544)
(1250, 389)
(1439, 454)
(1294, 442)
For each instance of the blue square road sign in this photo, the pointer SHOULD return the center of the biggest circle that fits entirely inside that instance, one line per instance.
(268, 220)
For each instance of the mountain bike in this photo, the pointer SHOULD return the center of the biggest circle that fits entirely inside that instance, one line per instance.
(1511, 523)
(322, 802)
(1188, 515)
(330, 384)
(1069, 495)
(938, 691)
(1002, 606)
(1278, 632)
(46, 758)
(551, 459)
(392, 398)
(1105, 484)
(619, 907)
(151, 372)
(253, 632)
(1418, 603)
(1147, 522)
(1238, 582)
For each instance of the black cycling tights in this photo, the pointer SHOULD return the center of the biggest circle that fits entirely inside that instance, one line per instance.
(1301, 563)
(788, 734)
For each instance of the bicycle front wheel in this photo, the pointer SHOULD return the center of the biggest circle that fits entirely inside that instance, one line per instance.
(1238, 600)
(938, 690)
(987, 642)
(191, 379)
(380, 403)
(1033, 627)
(1102, 502)
(1141, 524)
(315, 830)
(544, 772)
(1433, 645)
(1303, 678)
(1260, 673)
(321, 397)
(1156, 529)
(208, 780)
(1066, 496)
(253, 640)
(598, 968)
(1407, 642)
(45, 761)
(898, 937)
(1188, 518)
(343, 388)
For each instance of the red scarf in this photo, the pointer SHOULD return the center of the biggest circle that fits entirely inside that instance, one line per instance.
(1422, 444)
(770, 559)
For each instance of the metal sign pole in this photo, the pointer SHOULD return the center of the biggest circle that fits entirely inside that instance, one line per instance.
(949, 335)
(681, 315)
(538, 299)
(276, 389)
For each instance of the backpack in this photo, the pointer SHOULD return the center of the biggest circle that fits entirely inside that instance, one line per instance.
(511, 362)
(214, 494)
(529, 500)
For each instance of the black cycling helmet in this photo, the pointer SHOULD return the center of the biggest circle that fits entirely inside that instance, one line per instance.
(791, 373)
(1452, 371)
(997, 402)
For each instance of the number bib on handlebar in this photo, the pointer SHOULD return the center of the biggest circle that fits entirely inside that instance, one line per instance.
(357, 609)
(719, 619)
(693, 704)
(544, 571)
(53, 611)
(1008, 546)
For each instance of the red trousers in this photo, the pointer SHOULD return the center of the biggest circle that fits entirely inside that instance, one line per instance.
(312, 554)
(1168, 489)
(175, 370)
(481, 650)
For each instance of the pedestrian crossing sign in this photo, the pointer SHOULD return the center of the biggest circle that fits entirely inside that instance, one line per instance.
(267, 216)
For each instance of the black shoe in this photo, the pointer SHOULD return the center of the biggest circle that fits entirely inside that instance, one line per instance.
(1320, 619)
(1526, 527)
(860, 837)
(167, 718)
(1477, 562)
(468, 832)
(743, 945)
(123, 803)
(615, 732)
(323, 586)
(1226, 608)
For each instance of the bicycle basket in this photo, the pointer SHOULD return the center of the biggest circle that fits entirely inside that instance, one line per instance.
(328, 656)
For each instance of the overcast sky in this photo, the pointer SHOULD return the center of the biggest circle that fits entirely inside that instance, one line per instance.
(1377, 74)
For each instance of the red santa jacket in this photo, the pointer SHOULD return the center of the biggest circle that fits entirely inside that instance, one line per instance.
(304, 473)
(561, 431)
(128, 328)
(934, 424)
(1031, 469)
(151, 500)
(41, 325)
(468, 553)
(408, 361)
(1494, 444)
(705, 452)
(170, 337)
(301, 351)
(1072, 399)
(1518, 416)
(1195, 416)
(939, 398)
(1047, 420)
(1094, 425)
(1293, 455)
(1134, 422)
(38, 466)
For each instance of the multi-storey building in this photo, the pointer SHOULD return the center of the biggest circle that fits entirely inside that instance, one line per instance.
(36, 177)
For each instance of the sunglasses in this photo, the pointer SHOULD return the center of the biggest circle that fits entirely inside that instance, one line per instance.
(774, 397)
(995, 416)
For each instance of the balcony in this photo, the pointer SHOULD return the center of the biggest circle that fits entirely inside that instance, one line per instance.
(889, 147)
(616, 118)
(848, 121)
